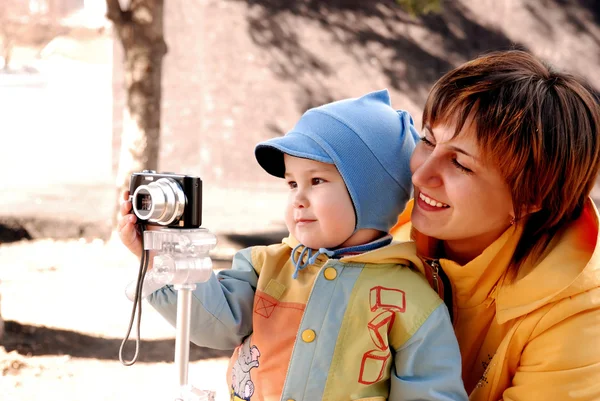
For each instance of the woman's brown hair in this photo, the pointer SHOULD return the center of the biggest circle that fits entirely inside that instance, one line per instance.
(540, 127)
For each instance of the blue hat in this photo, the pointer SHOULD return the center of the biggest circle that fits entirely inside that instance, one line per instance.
(368, 141)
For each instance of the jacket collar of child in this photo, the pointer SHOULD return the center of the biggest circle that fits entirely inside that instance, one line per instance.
(303, 256)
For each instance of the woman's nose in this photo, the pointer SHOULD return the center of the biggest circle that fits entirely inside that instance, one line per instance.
(426, 173)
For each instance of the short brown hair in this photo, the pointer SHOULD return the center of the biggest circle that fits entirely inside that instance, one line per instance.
(540, 127)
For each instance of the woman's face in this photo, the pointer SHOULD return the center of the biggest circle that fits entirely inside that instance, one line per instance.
(458, 197)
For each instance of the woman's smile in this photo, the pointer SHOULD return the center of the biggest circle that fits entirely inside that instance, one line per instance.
(428, 203)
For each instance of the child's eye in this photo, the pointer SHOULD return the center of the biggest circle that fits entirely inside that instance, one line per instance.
(317, 181)
(292, 184)
(461, 167)
(427, 142)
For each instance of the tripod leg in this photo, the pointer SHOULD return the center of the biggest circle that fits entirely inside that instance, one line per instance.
(182, 340)
(182, 346)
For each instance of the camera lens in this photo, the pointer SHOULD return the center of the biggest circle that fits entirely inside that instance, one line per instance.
(159, 202)
(144, 202)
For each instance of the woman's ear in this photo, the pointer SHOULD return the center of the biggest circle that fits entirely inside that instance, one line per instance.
(531, 209)
(525, 211)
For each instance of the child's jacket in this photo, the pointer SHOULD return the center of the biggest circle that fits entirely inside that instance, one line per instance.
(363, 327)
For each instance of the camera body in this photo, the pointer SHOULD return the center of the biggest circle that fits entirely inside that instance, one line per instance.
(167, 199)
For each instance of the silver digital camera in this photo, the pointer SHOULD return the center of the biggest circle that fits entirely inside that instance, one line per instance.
(167, 199)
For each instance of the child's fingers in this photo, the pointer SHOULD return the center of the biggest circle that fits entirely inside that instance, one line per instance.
(129, 218)
(128, 234)
(121, 222)
(126, 195)
(125, 208)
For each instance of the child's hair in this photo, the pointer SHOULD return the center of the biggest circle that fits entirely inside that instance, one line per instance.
(370, 144)
(540, 127)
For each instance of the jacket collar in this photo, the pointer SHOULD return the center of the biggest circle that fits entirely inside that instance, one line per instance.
(569, 266)
(394, 253)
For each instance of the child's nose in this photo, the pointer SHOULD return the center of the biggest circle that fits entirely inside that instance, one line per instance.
(300, 199)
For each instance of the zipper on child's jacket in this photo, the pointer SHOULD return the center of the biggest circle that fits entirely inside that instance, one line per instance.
(441, 284)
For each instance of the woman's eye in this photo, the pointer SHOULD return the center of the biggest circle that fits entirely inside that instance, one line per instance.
(317, 181)
(292, 184)
(461, 167)
(427, 142)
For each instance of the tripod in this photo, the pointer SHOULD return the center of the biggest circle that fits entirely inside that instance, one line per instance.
(181, 260)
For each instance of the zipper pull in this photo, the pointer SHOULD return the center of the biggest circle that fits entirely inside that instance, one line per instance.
(442, 285)
(435, 265)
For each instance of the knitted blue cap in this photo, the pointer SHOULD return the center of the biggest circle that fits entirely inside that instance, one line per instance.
(368, 141)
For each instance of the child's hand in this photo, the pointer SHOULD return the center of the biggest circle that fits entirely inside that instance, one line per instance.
(129, 235)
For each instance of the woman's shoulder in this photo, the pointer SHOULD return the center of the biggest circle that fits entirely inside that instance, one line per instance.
(401, 230)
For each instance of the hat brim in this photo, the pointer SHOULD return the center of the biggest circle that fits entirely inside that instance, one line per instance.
(269, 154)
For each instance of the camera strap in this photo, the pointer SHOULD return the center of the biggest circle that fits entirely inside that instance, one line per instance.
(137, 302)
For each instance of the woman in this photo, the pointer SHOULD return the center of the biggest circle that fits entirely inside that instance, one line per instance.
(503, 221)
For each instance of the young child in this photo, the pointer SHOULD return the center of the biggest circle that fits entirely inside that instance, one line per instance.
(335, 311)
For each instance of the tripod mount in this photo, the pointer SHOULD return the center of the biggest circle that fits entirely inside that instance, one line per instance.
(181, 260)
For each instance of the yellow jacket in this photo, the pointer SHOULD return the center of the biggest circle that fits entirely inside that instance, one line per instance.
(537, 338)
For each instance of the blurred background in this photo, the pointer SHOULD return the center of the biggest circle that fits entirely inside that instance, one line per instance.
(91, 90)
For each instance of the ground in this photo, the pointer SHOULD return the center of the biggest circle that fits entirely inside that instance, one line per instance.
(57, 349)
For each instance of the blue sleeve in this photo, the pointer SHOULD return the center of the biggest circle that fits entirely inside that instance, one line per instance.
(428, 366)
(221, 313)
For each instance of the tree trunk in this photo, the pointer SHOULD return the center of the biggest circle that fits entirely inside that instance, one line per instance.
(1, 323)
(139, 28)
(6, 52)
(7, 39)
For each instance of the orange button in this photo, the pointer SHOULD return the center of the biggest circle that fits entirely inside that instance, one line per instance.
(308, 336)
(330, 273)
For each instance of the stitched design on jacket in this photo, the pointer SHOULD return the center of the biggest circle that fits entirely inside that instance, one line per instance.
(388, 302)
(264, 307)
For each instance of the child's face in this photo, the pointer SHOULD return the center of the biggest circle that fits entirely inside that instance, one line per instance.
(319, 211)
